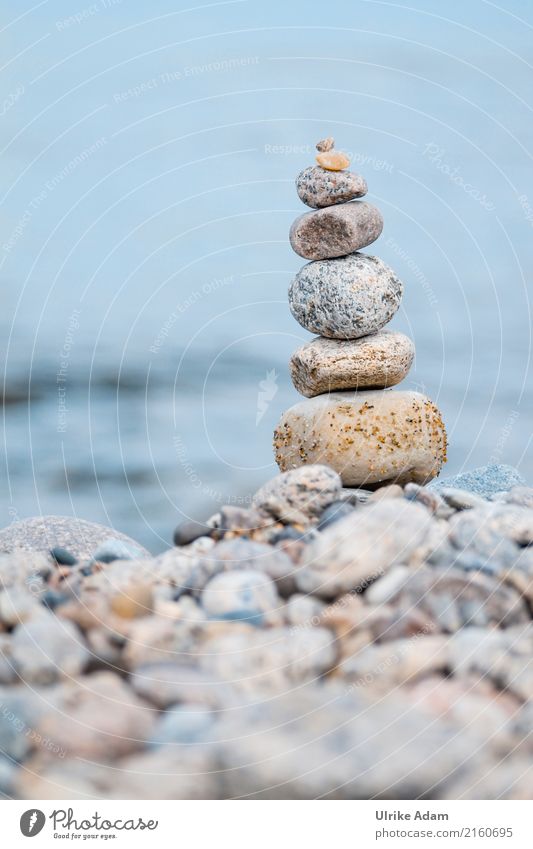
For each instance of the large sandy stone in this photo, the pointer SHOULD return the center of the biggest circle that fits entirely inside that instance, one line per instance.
(345, 298)
(367, 437)
(372, 362)
(336, 230)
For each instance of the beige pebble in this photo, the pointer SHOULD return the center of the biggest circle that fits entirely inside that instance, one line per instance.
(325, 144)
(367, 437)
(376, 361)
(333, 160)
(385, 492)
(133, 601)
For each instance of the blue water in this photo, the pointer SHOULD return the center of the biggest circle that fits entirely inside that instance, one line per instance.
(148, 159)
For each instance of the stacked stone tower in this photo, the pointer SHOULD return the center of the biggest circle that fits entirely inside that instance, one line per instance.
(370, 435)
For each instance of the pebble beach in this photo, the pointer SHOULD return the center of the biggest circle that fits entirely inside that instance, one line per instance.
(326, 642)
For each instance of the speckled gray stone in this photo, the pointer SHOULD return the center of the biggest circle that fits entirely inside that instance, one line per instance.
(372, 362)
(41, 533)
(245, 594)
(360, 548)
(345, 298)
(485, 481)
(318, 188)
(48, 649)
(336, 230)
(300, 495)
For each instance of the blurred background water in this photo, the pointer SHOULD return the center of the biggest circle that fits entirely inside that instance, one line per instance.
(148, 159)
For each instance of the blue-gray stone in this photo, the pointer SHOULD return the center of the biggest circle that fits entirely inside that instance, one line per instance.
(17, 725)
(485, 481)
(337, 510)
(182, 724)
(7, 773)
(117, 549)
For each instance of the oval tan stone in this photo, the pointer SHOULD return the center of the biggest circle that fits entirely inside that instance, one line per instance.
(371, 362)
(370, 437)
(336, 230)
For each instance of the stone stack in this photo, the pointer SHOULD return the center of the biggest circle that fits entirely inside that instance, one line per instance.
(369, 435)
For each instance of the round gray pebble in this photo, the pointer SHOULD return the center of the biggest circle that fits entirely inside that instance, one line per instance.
(318, 188)
(345, 298)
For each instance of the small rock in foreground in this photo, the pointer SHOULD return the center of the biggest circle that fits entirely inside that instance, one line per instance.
(299, 495)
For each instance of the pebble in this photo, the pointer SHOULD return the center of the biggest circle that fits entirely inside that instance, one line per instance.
(520, 495)
(385, 492)
(30, 568)
(62, 556)
(367, 437)
(502, 656)
(47, 649)
(488, 533)
(335, 743)
(270, 660)
(337, 510)
(484, 481)
(318, 188)
(245, 594)
(453, 599)
(19, 715)
(243, 520)
(183, 725)
(345, 298)
(304, 610)
(237, 554)
(80, 538)
(392, 664)
(355, 495)
(300, 495)
(98, 717)
(189, 531)
(117, 549)
(357, 550)
(371, 362)
(382, 590)
(172, 682)
(333, 160)
(336, 230)
(429, 498)
(461, 499)
(325, 144)
(469, 700)
(17, 605)
(136, 600)
(7, 775)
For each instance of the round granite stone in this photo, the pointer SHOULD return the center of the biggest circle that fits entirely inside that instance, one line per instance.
(336, 230)
(80, 538)
(345, 298)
